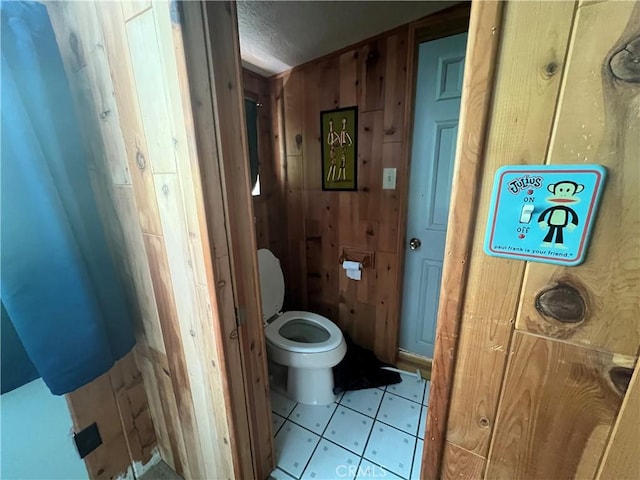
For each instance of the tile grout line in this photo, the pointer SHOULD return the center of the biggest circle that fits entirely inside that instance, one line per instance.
(321, 435)
(415, 447)
(285, 418)
(416, 438)
(283, 424)
(375, 418)
(364, 449)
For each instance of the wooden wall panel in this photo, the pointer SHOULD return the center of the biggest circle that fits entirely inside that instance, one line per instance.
(184, 148)
(321, 224)
(225, 82)
(557, 410)
(535, 396)
(151, 88)
(180, 381)
(597, 122)
(157, 407)
(111, 459)
(250, 439)
(116, 401)
(136, 267)
(525, 96)
(485, 30)
(134, 411)
(126, 66)
(268, 207)
(115, 41)
(131, 8)
(621, 460)
(461, 464)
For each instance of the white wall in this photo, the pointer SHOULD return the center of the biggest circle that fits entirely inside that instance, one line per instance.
(36, 438)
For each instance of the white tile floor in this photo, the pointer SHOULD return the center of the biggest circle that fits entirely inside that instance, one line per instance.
(373, 433)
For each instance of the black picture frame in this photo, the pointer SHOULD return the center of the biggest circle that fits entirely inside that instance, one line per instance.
(339, 151)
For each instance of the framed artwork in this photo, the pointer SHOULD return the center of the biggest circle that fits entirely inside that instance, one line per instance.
(339, 148)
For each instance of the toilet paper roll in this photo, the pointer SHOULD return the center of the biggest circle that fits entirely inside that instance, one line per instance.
(349, 265)
(352, 269)
(354, 274)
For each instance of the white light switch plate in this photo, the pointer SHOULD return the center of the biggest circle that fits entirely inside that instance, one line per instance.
(389, 179)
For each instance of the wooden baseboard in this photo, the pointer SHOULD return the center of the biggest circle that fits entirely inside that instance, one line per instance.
(412, 362)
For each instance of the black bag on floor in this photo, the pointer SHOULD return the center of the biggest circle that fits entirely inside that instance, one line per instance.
(360, 368)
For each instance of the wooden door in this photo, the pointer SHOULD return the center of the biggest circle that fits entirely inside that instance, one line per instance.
(437, 110)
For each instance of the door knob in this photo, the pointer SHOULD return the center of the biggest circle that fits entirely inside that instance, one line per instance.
(414, 243)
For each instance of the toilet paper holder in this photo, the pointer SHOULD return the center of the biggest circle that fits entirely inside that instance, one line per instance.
(365, 257)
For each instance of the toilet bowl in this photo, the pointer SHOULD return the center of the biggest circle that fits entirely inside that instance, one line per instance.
(306, 344)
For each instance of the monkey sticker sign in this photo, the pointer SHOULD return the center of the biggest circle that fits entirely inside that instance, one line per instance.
(543, 213)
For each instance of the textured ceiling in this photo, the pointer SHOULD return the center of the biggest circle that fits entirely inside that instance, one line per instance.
(278, 35)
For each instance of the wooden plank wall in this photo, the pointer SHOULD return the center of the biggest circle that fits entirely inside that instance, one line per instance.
(535, 396)
(215, 79)
(320, 224)
(125, 64)
(621, 460)
(268, 207)
(117, 402)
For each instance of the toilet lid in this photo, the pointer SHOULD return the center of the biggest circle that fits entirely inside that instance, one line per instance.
(271, 283)
(327, 334)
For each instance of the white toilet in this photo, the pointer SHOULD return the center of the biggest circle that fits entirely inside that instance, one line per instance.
(302, 347)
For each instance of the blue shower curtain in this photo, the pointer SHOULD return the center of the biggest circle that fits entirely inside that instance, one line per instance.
(58, 281)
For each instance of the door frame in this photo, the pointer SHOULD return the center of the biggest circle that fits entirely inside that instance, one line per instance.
(482, 20)
(217, 94)
(454, 21)
(451, 21)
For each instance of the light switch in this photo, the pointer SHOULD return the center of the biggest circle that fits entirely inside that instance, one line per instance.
(525, 214)
(389, 179)
(543, 213)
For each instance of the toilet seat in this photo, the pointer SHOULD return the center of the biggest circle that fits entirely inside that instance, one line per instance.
(275, 338)
(271, 284)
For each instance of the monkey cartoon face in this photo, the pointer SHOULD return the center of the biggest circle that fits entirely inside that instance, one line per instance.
(564, 192)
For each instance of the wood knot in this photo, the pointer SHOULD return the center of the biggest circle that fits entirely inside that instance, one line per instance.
(484, 422)
(390, 131)
(625, 64)
(299, 140)
(620, 377)
(563, 303)
(551, 68)
(372, 58)
(140, 160)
